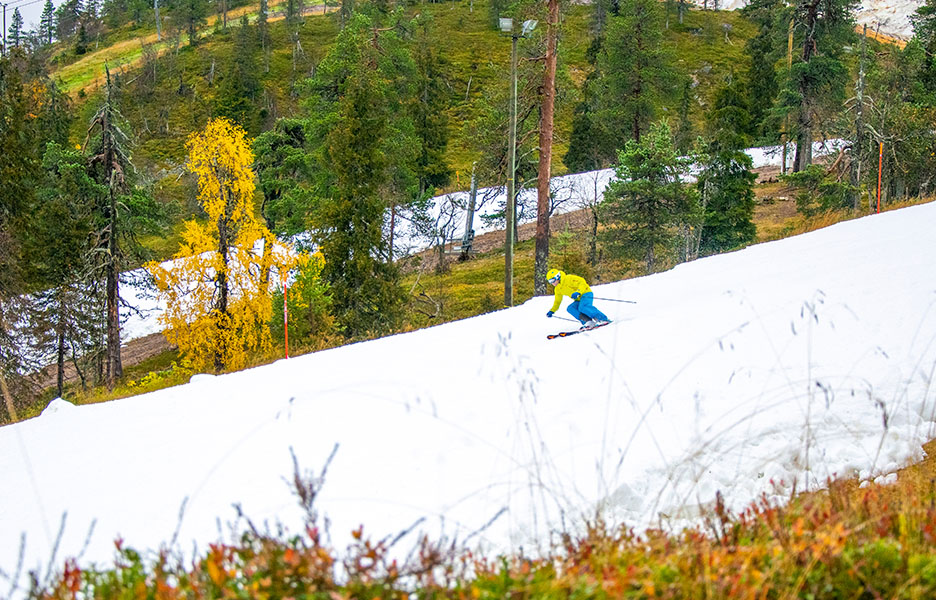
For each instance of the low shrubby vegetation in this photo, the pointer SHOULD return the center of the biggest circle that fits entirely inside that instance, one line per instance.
(847, 541)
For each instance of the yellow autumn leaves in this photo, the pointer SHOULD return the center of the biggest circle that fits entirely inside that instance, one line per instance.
(217, 288)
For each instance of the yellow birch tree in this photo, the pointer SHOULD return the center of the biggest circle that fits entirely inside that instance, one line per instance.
(216, 289)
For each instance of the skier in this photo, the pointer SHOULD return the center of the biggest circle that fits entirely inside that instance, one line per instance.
(582, 298)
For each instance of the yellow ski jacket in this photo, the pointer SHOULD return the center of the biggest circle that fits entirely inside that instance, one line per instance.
(568, 285)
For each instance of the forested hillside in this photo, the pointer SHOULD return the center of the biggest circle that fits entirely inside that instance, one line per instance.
(273, 146)
(255, 75)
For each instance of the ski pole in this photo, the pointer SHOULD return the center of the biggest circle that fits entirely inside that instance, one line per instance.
(565, 319)
(616, 300)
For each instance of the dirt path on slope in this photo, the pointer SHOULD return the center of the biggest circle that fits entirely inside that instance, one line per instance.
(131, 354)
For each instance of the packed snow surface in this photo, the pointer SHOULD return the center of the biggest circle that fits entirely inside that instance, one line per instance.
(746, 373)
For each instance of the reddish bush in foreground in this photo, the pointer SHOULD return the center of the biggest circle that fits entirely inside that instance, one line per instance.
(844, 542)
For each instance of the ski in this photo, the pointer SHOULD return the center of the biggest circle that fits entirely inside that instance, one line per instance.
(563, 334)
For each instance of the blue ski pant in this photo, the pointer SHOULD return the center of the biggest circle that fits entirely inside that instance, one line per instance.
(583, 309)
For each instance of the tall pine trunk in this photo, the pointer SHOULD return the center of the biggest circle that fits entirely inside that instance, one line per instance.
(545, 157)
(804, 138)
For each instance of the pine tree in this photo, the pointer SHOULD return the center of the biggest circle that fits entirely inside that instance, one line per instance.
(15, 32)
(817, 78)
(636, 71)
(546, 132)
(47, 22)
(647, 201)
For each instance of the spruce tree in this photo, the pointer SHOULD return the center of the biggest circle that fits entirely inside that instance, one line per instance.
(81, 40)
(365, 148)
(762, 78)
(726, 190)
(589, 145)
(898, 108)
(586, 147)
(47, 23)
(240, 87)
(60, 251)
(430, 113)
(726, 182)
(68, 18)
(263, 32)
(648, 202)
(20, 172)
(15, 32)
(283, 166)
(636, 72)
(191, 15)
(683, 135)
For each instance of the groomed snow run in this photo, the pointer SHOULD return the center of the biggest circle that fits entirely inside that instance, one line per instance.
(746, 373)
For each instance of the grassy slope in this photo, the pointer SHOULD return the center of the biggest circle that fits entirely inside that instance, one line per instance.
(476, 53)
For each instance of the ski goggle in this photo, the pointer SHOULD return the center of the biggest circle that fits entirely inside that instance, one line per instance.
(554, 280)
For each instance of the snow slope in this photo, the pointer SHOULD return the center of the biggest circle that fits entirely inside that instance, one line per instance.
(743, 373)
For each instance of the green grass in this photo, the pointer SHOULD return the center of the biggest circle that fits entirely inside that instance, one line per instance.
(161, 119)
(468, 288)
(154, 373)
